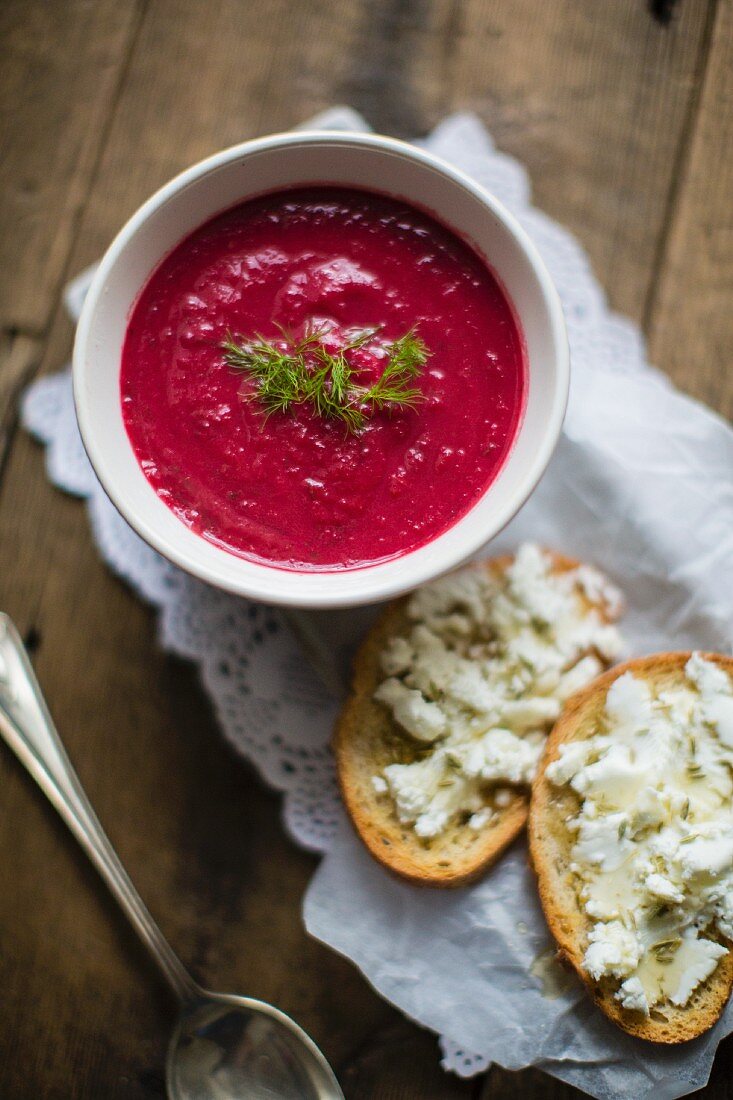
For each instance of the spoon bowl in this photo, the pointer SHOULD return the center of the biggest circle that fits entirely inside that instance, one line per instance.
(228, 1046)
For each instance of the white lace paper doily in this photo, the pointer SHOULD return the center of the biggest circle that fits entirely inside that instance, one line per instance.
(279, 715)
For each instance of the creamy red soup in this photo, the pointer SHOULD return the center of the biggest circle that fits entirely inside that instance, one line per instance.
(294, 488)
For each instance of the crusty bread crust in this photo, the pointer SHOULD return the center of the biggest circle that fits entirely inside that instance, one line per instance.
(549, 846)
(366, 740)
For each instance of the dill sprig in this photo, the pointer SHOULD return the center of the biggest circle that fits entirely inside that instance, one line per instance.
(291, 371)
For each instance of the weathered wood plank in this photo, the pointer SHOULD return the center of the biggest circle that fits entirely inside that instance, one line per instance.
(500, 1083)
(61, 66)
(19, 358)
(188, 94)
(691, 305)
(401, 1063)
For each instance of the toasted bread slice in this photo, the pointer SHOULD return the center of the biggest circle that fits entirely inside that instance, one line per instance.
(550, 843)
(366, 740)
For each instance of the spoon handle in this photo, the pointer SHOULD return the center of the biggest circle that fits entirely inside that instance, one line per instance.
(27, 727)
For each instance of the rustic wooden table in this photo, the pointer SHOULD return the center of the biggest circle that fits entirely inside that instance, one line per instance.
(623, 113)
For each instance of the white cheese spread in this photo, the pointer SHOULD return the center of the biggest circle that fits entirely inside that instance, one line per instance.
(480, 677)
(653, 837)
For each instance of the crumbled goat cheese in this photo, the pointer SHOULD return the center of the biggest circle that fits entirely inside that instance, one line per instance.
(599, 842)
(653, 835)
(632, 996)
(719, 713)
(429, 793)
(706, 954)
(499, 755)
(480, 677)
(661, 887)
(613, 949)
(423, 720)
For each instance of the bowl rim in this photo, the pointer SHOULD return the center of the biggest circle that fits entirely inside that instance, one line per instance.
(353, 594)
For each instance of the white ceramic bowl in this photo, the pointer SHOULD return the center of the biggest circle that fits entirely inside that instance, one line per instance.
(287, 160)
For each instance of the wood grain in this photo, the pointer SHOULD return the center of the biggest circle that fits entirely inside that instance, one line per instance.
(624, 125)
(19, 358)
(691, 302)
(399, 1062)
(60, 71)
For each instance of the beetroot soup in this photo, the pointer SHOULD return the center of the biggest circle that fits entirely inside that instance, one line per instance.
(322, 378)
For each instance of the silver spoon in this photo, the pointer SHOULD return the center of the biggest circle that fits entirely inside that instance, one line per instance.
(223, 1047)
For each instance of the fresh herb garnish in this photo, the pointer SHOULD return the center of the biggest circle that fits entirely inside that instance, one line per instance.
(292, 371)
(665, 950)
